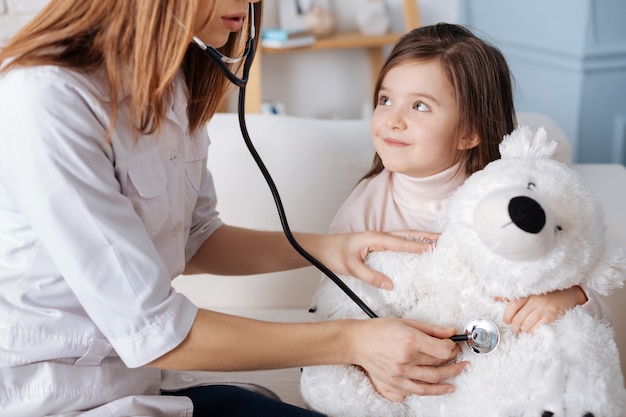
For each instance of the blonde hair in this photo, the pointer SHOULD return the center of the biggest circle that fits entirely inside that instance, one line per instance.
(140, 44)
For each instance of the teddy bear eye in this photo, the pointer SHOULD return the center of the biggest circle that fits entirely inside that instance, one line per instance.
(531, 185)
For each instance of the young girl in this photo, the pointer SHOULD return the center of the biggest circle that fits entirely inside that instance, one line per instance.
(105, 198)
(443, 102)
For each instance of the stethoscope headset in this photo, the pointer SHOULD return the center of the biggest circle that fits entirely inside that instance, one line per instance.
(481, 334)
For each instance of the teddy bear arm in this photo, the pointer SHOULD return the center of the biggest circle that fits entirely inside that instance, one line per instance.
(609, 272)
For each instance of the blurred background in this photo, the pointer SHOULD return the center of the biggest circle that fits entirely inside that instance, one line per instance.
(568, 58)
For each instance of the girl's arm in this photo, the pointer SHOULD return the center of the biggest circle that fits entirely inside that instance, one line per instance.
(526, 314)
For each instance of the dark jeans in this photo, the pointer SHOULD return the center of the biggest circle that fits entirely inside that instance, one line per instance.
(229, 401)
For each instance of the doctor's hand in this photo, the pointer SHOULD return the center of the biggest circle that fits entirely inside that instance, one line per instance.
(404, 357)
(528, 313)
(345, 253)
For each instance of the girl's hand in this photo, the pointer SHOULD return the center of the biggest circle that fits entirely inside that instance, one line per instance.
(345, 253)
(526, 314)
(403, 357)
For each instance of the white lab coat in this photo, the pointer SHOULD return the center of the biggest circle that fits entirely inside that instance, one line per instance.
(91, 235)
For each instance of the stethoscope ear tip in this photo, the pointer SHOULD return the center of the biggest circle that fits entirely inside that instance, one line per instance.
(252, 33)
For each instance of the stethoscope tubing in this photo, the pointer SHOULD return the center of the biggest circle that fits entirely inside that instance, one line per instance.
(222, 63)
(281, 210)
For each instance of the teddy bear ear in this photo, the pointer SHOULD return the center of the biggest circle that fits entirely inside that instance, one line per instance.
(522, 143)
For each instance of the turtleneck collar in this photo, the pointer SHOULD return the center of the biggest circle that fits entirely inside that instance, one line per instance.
(415, 192)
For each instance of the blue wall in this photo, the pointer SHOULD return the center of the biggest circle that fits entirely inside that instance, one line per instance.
(568, 58)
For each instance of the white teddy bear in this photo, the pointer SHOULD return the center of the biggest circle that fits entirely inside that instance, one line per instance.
(524, 225)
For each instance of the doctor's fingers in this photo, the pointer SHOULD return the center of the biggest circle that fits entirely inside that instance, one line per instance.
(398, 241)
(432, 341)
(429, 380)
(428, 238)
(390, 348)
(361, 244)
(398, 388)
(390, 392)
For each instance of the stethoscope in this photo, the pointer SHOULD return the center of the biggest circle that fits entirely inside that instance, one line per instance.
(481, 334)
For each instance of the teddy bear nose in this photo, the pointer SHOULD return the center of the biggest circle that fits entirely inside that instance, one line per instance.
(527, 214)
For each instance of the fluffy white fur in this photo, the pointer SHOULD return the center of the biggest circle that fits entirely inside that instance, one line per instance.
(569, 368)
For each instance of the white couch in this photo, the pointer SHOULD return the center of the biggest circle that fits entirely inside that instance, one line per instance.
(315, 164)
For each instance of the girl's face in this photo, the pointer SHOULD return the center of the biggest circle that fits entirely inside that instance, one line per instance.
(415, 122)
(215, 20)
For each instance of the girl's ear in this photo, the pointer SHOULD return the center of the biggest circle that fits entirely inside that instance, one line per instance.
(468, 141)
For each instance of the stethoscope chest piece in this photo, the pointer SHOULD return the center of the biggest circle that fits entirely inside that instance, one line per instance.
(483, 335)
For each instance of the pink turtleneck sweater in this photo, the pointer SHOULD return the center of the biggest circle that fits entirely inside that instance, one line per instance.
(390, 201)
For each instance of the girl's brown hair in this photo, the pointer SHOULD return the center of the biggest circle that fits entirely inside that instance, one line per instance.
(140, 44)
(481, 80)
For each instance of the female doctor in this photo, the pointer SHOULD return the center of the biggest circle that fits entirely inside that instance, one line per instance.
(105, 198)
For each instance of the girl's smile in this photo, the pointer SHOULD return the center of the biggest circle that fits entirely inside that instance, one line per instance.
(394, 142)
(414, 125)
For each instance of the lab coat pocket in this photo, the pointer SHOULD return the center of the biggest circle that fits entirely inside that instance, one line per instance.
(147, 192)
(196, 153)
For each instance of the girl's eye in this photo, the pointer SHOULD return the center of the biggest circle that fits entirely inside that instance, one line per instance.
(419, 106)
(384, 101)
